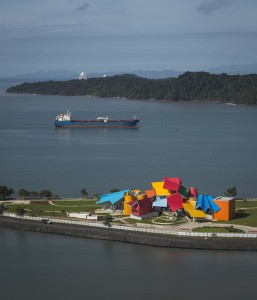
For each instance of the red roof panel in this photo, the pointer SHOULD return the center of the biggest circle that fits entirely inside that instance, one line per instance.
(172, 184)
(175, 202)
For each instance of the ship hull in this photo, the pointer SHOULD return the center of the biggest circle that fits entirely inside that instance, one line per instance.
(97, 124)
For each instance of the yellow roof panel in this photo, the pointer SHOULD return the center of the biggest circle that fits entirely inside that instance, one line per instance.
(160, 191)
(194, 213)
(188, 206)
(192, 202)
(197, 213)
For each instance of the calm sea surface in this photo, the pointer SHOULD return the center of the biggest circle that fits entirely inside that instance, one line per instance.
(41, 266)
(214, 148)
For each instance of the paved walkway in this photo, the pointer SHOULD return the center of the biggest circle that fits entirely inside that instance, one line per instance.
(188, 226)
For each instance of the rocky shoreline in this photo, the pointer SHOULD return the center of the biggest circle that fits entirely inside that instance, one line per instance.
(200, 243)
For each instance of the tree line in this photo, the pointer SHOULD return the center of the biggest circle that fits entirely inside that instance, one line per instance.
(202, 86)
(7, 193)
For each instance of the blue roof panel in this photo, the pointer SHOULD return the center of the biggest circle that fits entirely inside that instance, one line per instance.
(160, 202)
(212, 204)
(199, 202)
(112, 197)
(205, 202)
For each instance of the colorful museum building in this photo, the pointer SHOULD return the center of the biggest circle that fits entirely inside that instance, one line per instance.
(169, 195)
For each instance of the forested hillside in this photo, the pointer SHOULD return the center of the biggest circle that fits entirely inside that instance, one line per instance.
(201, 86)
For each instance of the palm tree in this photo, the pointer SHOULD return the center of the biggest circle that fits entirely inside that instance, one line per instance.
(5, 192)
(231, 191)
(83, 193)
(11, 192)
(46, 194)
(22, 193)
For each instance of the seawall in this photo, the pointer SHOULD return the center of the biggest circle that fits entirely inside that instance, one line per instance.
(157, 240)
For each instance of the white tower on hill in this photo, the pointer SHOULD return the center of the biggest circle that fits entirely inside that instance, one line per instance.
(82, 76)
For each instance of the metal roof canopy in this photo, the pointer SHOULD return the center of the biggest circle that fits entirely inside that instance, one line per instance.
(205, 202)
(112, 197)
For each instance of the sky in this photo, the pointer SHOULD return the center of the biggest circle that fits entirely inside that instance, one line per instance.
(125, 35)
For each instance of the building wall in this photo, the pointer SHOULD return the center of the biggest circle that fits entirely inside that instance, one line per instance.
(232, 209)
(227, 210)
(127, 209)
(142, 207)
(146, 208)
(86, 216)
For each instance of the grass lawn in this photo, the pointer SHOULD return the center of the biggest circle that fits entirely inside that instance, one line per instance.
(118, 222)
(246, 204)
(134, 221)
(246, 213)
(163, 221)
(75, 203)
(75, 206)
(149, 221)
(247, 217)
(60, 208)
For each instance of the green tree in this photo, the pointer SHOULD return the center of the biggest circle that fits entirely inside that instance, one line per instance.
(96, 196)
(1, 208)
(114, 190)
(20, 211)
(231, 191)
(11, 192)
(188, 86)
(83, 193)
(46, 194)
(107, 220)
(55, 196)
(22, 193)
(34, 194)
(5, 192)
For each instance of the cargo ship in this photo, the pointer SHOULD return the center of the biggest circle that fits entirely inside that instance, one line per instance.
(66, 121)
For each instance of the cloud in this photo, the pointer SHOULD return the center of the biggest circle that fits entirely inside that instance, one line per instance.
(207, 7)
(82, 7)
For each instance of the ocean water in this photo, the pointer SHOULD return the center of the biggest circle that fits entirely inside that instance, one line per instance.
(215, 146)
(43, 266)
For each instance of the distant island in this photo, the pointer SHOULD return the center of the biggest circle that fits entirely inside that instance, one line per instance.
(200, 86)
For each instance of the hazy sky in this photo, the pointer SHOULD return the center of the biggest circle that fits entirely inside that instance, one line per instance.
(125, 35)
